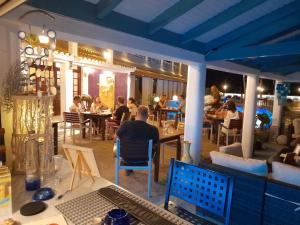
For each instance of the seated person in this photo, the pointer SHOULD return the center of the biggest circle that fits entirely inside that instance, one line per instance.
(132, 107)
(162, 103)
(97, 105)
(181, 106)
(138, 130)
(76, 105)
(117, 116)
(231, 113)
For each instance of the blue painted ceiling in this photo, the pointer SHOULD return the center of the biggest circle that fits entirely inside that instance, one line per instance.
(262, 34)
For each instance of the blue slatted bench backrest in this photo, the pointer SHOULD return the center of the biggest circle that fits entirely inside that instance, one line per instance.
(204, 188)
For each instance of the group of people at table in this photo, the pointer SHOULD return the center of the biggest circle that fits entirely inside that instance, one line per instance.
(136, 129)
(216, 111)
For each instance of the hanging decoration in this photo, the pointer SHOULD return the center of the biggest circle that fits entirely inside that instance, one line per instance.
(282, 91)
(36, 57)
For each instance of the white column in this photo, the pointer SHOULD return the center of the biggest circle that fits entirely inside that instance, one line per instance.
(170, 89)
(277, 110)
(249, 116)
(166, 87)
(66, 93)
(131, 86)
(147, 88)
(194, 109)
(159, 87)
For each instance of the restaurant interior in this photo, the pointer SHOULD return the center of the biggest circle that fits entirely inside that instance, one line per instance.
(215, 82)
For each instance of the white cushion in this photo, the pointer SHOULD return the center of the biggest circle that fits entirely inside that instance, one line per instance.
(286, 173)
(233, 149)
(254, 166)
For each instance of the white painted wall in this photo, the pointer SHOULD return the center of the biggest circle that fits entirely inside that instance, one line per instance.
(194, 109)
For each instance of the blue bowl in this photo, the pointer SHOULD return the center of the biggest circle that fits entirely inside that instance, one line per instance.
(43, 194)
(117, 217)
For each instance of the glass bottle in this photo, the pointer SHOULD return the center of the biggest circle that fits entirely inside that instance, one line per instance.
(32, 176)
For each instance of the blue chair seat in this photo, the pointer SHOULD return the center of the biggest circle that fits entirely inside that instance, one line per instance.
(209, 192)
(139, 157)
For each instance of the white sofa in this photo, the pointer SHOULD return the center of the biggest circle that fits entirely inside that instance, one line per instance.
(254, 166)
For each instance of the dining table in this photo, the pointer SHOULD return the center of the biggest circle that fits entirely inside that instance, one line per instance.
(99, 120)
(165, 111)
(88, 202)
(166, 135)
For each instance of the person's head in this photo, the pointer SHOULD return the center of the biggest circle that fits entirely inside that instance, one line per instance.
(181, 97)
(142, 113)
(121, 100)
(76, 99)
(231, 106)
(131, 100)
(214, 89)
(163, 97)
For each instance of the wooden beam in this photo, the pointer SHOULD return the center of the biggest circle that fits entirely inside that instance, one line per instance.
(220, 19)
(280, 49)
(105, 7)
(10, 5)
(171, 14)
(286, 24)
(283, 69)
(254, 25)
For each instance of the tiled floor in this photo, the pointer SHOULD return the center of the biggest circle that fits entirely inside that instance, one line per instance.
(137, 182)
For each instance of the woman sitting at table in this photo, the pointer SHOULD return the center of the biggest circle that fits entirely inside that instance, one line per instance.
(132, 107)
(97, 105)
(230, 113)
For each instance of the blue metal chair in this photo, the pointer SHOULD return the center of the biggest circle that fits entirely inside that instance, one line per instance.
(135, 152)
(209, 191)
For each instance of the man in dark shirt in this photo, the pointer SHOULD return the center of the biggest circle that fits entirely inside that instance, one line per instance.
(117, 116)
(121, 109)
(138, 130)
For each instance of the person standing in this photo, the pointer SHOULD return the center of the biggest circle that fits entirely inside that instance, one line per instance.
(215, 93)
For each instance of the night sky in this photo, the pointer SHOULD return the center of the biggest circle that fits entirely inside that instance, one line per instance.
(235, 83)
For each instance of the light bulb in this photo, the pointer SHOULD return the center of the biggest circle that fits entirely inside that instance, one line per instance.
(43, 39)
(106, 55)
(156, 99)
(175, 97)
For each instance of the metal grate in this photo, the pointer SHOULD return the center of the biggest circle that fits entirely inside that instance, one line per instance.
(203, 188)
(83, 210)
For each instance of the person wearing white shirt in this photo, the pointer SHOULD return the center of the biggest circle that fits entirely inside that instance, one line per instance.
(76, 105)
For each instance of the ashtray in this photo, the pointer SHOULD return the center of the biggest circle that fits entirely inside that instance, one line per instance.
(116, 217)
(43, 194)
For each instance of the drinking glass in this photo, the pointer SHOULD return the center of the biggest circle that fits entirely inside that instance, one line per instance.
(57, 159)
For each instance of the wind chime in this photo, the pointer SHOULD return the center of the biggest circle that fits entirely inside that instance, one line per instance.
(36, 52)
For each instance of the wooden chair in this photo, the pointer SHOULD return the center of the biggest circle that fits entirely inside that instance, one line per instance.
(209, 191)
(76, 123)
(134, 151)
(234, 130)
